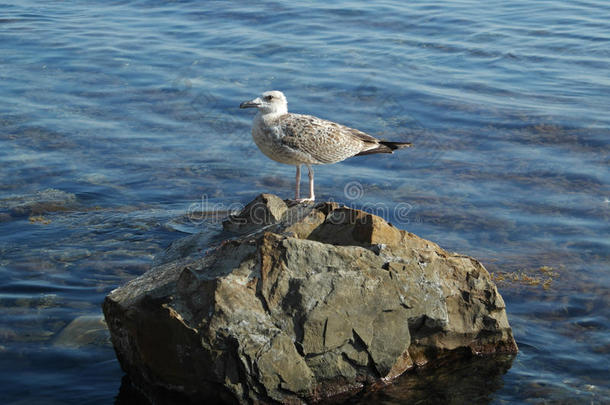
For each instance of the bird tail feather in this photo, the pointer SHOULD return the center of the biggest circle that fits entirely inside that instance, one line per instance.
(396, 145)
(386, 147)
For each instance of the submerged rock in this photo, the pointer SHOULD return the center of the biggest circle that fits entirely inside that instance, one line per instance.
(45, 201)
(82, 331)
(314, 302)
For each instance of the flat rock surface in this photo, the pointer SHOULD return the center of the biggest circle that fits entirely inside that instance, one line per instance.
(308, 302)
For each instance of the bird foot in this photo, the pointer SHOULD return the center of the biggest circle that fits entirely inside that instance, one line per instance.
(304, 200)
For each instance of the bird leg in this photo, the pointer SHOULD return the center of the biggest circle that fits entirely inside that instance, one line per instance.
(312, 197)
(311, 194)
(298, 184)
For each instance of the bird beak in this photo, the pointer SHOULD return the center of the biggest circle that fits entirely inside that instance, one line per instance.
(257, 102)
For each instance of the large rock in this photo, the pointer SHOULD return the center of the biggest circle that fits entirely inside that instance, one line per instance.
(312, 302)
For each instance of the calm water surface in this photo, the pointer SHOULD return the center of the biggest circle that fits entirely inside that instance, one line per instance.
(118, 118)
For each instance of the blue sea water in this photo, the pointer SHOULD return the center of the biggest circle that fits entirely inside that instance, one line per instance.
(118, 118)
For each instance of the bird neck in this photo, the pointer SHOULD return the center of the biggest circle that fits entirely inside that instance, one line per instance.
(271, 115)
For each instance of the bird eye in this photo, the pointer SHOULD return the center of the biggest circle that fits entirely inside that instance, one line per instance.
(268, 98)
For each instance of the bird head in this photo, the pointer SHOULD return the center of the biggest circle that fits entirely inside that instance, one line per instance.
(270, 102)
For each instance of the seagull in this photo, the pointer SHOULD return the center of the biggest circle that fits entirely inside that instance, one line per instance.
(297, 139)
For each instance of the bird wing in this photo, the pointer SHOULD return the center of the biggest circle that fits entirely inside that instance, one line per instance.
(325, 141)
